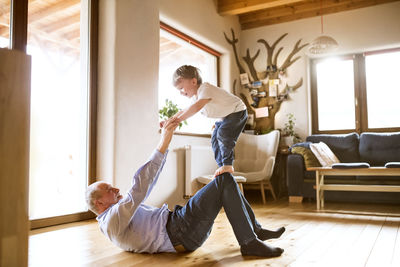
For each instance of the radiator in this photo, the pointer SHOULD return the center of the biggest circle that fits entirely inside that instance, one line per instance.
(199, 160)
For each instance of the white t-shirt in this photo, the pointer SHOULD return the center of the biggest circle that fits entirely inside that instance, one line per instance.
(222, 102)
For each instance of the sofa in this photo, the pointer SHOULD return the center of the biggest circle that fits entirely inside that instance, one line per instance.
(376, 149)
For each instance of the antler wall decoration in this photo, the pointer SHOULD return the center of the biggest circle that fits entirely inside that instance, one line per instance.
(259, 84)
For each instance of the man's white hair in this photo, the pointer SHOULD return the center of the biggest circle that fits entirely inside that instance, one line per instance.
(93, 194)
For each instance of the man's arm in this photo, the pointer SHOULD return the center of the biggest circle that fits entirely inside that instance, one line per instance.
(193, 109)
(143, 182)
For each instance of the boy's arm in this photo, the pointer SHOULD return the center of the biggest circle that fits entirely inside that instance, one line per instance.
(193, 109)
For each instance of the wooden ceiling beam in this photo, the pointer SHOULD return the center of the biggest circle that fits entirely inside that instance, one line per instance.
(55, 47)
(52, 10)
(73, 34)
(62, 23)
(4, 26)
(4, 31)
(304, 10)
(4, 8)
(169, 53)
(169, 46)
(236, 7)
(39, 36)
(310, 5)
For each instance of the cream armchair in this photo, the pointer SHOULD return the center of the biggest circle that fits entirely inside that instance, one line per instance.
(255, 160)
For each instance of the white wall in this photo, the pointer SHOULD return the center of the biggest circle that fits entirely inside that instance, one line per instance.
(128, 66)
(128, 81)
(359, 30)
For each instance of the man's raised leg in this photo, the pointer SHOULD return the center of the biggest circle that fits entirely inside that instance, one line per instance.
(242, 219)
(262, 233)
(192, 223)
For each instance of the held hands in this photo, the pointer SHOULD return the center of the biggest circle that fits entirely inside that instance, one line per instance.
(169, 126)
(176, 117)
(167, 131)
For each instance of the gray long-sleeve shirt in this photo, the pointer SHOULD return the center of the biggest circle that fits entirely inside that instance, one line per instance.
(134, 226)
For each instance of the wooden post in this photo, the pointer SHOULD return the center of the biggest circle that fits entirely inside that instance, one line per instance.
(15, 67)
(317, 189)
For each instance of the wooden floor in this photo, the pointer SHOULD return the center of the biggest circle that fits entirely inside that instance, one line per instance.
(342, 235)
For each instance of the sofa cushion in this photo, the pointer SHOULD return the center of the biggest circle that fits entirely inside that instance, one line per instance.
(324, 154)
(379, 148)
(353, 165)
(309, 159)
(392, 165)
(344, 146)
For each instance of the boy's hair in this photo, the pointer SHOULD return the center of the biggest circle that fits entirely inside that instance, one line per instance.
(186, 72)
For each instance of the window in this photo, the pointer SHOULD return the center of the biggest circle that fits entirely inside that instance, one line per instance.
(177, 49)
(58, 115)
(383, 89)
(58, 43)
(4, 24)
(332, 91)
(356, 93)
(61, 37)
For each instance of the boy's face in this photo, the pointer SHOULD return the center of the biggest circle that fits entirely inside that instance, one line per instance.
(187, 87)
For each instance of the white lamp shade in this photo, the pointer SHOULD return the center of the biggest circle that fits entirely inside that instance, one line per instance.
(323, 44)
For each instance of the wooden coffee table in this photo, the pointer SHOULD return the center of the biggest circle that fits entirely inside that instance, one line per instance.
(320, 173)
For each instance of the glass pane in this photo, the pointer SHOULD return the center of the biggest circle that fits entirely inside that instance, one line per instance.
(335, 82)
(383, 90)
(4, 23)
(174, 52)
(57, 41)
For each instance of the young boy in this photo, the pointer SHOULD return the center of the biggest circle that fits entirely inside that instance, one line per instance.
(213, 102)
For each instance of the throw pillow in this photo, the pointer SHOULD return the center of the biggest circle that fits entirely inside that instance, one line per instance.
(302, 144)
(324, 154)
(309, 159)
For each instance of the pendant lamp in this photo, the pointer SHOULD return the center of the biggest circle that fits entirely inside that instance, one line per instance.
(322, 44)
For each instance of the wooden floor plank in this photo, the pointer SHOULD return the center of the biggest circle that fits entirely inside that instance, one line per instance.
(382, 252)
(364, 244)
(352, 236)
(396, 250)
(320, 248)
(342, 249)
(308, 241)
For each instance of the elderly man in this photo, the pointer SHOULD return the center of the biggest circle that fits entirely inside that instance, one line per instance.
(134, 226)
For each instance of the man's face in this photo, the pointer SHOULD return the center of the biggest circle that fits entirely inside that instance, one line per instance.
(187, 87)
(109, 194)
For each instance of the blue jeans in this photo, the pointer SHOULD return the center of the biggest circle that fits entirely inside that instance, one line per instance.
(225, 135)
(191, 225)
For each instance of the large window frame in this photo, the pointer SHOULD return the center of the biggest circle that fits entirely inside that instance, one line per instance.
(18, 41)
(360, 94)
(202, 46)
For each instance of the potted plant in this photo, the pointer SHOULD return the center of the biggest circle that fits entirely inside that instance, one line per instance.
(289, 136)
(169, 110)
